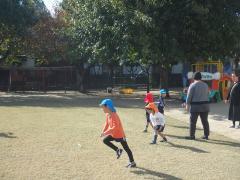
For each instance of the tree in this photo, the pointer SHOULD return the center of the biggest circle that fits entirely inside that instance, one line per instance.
(150, 32)
(190, 30)
(47, 41)
(16, 16)
(98, 30)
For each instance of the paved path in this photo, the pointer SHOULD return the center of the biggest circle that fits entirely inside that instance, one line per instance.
(217, 118)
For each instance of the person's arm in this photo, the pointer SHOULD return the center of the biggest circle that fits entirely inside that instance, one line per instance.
(162, 119)
(105, 126)
(189, 96)
(162, 100)
(151, 120)
(228, 96)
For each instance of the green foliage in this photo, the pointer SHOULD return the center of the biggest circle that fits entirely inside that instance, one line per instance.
(122, 32)
(47, 41)
(98, 30)
(16, 16)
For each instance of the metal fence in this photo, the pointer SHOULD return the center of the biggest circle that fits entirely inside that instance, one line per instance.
(38, 79)
(65, 78)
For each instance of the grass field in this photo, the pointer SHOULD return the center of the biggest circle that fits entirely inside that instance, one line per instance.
(57, 137)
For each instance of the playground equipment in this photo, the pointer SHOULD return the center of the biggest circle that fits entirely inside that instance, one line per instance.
(212, 73)
(126, 90)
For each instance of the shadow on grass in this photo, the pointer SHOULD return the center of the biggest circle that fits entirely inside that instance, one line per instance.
(220, 142)
(182, 127)
(211, 141)
(66, 101)
(144, 171)
(219, 117)
(7, 135)
(193, 149)
(72, 100)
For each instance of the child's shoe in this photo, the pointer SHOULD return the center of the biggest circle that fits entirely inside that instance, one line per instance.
(131, 165)
(205, 137)
(190, 137)
(154, 140)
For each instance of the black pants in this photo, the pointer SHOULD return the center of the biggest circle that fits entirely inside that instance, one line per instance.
(193, 122)
(107, 140)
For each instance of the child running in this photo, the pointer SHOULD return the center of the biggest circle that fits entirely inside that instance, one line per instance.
(148, 99)
(158, 122)
(113, 131)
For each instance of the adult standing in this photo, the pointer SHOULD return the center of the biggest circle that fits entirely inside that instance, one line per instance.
(234, 99)
(197, 103)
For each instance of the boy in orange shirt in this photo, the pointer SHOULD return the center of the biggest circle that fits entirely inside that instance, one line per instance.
(113, 131)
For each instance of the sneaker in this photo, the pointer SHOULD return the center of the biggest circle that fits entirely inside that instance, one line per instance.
(131, 165)
(144, 130)
(119, 153)
(164, 140)
(153, 142)
(238, 127)
(190, 137)
(232, 126)
(205, 137)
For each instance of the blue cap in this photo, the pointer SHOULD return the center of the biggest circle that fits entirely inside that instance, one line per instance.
(163, 91)
(109, 104)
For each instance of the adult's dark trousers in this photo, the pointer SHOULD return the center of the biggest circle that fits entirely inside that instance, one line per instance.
(107, 140)
(193, 122)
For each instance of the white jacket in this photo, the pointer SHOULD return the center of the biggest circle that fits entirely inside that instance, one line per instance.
(157, 119)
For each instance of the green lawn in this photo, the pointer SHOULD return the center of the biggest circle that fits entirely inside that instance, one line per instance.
(57, 137)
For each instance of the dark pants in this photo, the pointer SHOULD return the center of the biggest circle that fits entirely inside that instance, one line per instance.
(161, 110)
(107, 140)
(193, 122)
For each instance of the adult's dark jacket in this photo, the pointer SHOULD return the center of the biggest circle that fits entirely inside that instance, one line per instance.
(234, 98)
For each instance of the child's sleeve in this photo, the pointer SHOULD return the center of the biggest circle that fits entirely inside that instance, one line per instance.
(164, 104)
(189, 94)
(105, 125)
(151, 119)
(162, 118)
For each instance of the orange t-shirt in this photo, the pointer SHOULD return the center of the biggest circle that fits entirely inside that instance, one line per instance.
(113, 126)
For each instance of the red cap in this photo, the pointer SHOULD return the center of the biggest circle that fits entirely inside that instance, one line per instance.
(148, 98)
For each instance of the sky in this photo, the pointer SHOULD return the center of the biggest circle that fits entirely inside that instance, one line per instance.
(50, 4)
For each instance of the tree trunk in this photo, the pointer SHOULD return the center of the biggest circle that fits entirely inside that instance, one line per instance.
(236, 62)
(79, 79)
(81, 76)
(164, 80)
(148, 78)
(111, 74)
(10, 80)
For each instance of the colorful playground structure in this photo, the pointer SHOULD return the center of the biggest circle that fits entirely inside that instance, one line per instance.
(212, 73)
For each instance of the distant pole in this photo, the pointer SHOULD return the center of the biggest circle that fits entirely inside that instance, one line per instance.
(65, 81)
(148, 84)
(10, 80)
(148, 79)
